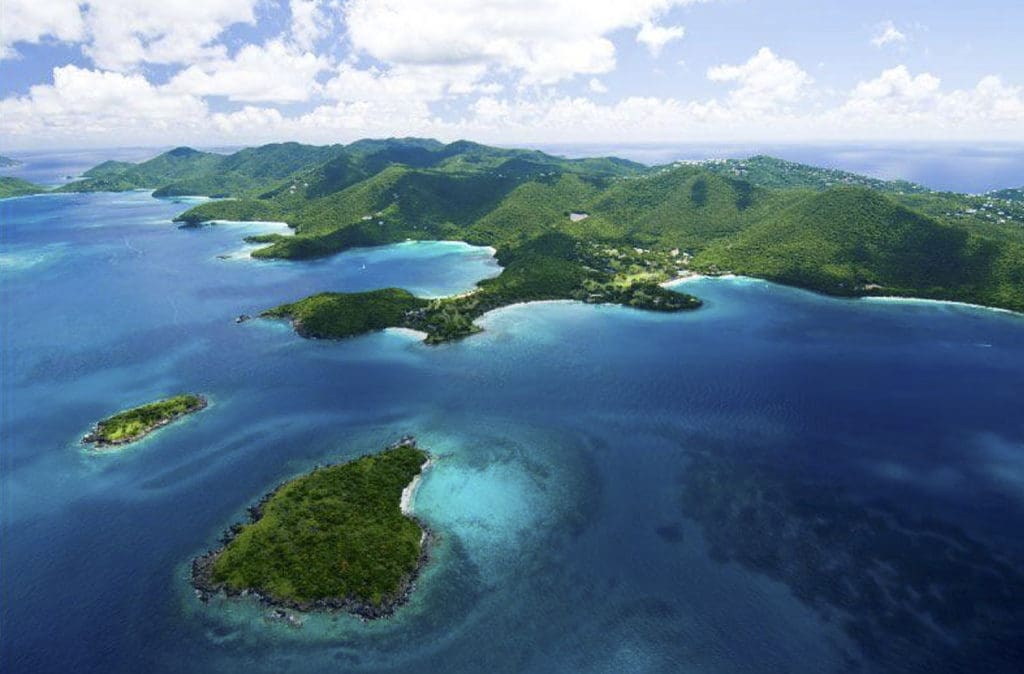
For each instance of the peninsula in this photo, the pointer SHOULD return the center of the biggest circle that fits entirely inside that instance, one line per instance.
(16, 187)
(335, 539)
(134, 424)
(825, 230)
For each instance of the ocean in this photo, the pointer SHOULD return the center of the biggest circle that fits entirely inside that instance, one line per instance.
(778, 481)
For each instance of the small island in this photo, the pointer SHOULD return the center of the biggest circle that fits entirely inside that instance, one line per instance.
(336, 539)
(134, 424)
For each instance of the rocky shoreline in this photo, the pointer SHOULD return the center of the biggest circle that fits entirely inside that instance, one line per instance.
(206, 588)
(94, 437)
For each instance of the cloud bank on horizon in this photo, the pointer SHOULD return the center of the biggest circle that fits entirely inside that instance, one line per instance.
(142, 72)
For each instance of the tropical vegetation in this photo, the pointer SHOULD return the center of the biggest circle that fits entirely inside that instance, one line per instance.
(602, 229)
(333, 538)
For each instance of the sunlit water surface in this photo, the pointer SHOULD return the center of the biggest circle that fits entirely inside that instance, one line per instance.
(776, 482)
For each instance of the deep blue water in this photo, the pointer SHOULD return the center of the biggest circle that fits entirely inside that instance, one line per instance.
(776, 482)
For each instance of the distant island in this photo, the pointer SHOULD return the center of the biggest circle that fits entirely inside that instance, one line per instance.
(136, 423)
(16, 187)
(8, 162)
(335, 539)
(593, 229)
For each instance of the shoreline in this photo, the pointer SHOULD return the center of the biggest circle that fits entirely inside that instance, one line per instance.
(409, 493)
(896, 299)
(205, 588)
(893, 299)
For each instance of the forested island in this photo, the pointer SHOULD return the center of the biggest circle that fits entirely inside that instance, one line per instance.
(136, 423)
(16, 187)
(335, 539)
(593, 229)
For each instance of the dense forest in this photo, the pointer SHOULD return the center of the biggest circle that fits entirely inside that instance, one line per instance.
(601, 229)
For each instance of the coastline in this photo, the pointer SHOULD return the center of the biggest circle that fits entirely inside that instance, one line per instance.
(407, 332)
(101, 445)
(201, 576)
(409, 493)
(896, 299)
(891, 299)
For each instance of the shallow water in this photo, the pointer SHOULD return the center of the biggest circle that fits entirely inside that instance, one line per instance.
(776, 482)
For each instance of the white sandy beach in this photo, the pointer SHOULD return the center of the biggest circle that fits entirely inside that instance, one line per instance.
(409, 493)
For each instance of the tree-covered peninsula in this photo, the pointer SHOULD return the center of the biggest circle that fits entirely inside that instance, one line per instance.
(16, 187)
(134, 424)
(605, 229)
(558, 270)
(334, 539)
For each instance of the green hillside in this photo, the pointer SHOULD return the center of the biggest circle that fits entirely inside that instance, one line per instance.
(853, 241)
(1013, 194)
(185, 171)
(766, 171)
(604, 229)
(16, 187)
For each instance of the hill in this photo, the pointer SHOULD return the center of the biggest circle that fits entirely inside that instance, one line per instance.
(607, 230)
(854, 241)
(765, 171)
(16, 187)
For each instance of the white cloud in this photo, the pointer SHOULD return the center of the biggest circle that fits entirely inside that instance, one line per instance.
(124, 33)
(310, 23)
(119, 34)
(83, 103)
(421, 83)
(597, 86)
(32, 21)
(545, 41)
(273, 72)
(655, 37)
(764, 82)
(887, 34)
(898, 100)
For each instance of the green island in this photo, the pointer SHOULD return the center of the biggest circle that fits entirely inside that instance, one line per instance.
(335, 539)
(600, 229)
(16, 187)
(134, 424)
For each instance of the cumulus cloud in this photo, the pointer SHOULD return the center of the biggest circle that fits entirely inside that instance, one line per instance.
(123, 33)
(275, 72)
(485, 69)
(310, 22)
(655, 37)
(545, 41)
(81, 103)
(31, 21)
(897, 99)
(422, 83)
(887, 33)
(764, 82)
(120, 34)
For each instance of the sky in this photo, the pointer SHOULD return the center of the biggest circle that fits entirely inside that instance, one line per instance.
(110, 73)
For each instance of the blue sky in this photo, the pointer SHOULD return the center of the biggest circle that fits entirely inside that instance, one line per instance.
(143, 72)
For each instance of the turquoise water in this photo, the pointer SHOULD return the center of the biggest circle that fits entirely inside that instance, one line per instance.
(776, 482)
